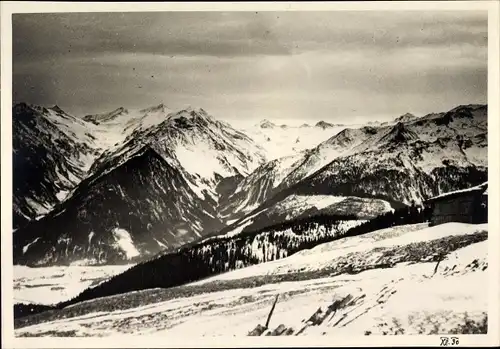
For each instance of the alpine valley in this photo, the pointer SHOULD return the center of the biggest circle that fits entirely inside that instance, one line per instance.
(125, 186)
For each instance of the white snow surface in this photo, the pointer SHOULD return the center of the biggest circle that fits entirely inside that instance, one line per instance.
(408, 297)
(294, 205)
(26, 247)
(125, 243)
(200, 159)
(320, 256)
(61, 195)
(281, 142)
(244, 223)
(51, 285)
(477, 187)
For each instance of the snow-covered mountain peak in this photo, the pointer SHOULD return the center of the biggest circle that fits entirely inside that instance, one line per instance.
(162, 168)
(194, 111)
(57, 109)
(473, 107)
(399, 134)
(106, 117)
(183, 138)
(20, 109)
(52, 150)
(190, 117)
(469, 111)
(157, 108)
(405, 117)
(344, 137)
(356, 160)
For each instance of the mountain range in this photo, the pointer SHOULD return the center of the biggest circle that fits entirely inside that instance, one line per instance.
(126, 185)
(402, 164)
(156, 190)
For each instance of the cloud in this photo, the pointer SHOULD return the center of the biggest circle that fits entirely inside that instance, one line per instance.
(247, 64)
(240, 33)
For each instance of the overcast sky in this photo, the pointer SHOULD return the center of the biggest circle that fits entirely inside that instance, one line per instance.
(335, 66)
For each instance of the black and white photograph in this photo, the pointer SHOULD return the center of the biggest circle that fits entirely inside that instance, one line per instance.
(248, 172)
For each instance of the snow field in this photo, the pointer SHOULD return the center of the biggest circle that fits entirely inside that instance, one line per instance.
(50, 285)
(405, 299)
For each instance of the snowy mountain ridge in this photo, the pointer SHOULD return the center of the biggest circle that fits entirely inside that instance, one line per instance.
(168, 178)
(52, 152)
(185, 136)
(151, 180)
(405, 162)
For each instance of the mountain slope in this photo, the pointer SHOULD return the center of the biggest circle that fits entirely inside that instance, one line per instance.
(257, 187)
(52, 151)
(206, 150)
(215, 175)
(375, 167)
(151, 193)
(286, 140)
(406, 162)
(405, 117)
(409, 162)
(139, 208)
(279, 174)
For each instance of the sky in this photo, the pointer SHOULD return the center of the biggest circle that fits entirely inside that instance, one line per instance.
(335, 66)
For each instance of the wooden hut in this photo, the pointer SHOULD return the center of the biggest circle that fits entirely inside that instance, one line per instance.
(466, 206)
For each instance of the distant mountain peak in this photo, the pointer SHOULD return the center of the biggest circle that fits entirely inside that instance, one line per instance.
(98, 118)
(305, 125)
(399, 134)
(344, 137)
(22, 106)
(191, 113)
(155, 108)
(266, 124)
(324, 124)
(468, 111)
(57, 109)
(469, 106)
(408, 115)
(405, 117)
(119, 110)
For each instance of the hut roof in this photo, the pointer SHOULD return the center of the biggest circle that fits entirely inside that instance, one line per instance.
(479, 188)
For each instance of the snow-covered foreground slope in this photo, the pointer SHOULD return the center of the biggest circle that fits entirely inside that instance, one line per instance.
(386, 282)
(52, 285)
